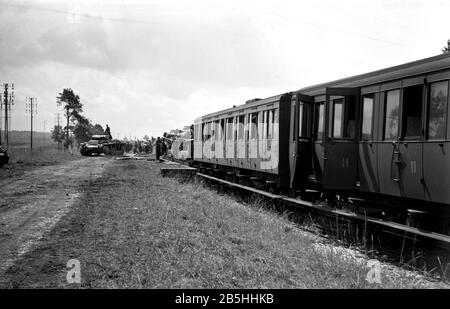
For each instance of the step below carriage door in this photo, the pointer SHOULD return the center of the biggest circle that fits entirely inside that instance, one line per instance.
(341, 132)
(301, 139)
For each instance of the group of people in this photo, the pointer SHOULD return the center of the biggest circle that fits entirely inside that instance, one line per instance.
(160, 148)
(160, 144)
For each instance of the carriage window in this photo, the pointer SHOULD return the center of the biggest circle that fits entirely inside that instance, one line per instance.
(349, 130)
(207, 131)
(203, 133)
(247, 126)
(412, 111)
(391, 115)
(253, 125)
(337, 118)
(301, 131)
(264, 125)
(240, 124)
(319, 121)
(230, 128)
(367, 118)
(275, 125)
(222, 129)
(216, 129)
(437, 110)
(270, 124)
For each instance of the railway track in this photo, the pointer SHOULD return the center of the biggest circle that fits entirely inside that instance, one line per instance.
(336, 212)
(398, 243)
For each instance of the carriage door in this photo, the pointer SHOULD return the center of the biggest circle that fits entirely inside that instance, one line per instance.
(300, 141)
(341, 147)
(410, 144)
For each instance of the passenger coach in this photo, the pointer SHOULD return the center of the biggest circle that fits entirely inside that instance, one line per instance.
(381, 136)
(247, 141)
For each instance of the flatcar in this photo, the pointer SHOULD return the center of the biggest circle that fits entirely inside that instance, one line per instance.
(382, 137)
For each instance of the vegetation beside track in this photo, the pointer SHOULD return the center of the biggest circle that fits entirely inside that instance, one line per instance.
(133, 228)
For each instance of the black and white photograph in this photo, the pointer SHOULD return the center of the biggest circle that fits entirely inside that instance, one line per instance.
(224, 151)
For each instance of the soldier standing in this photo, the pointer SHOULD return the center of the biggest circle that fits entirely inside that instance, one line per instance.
(108, 132)
(158, 146)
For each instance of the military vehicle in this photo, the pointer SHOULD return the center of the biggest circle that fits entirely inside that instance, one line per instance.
(102, 144)
(4, 158)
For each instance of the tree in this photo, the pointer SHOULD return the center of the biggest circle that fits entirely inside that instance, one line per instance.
(72, 107)
(97, 129)
(81, 131)
(146, 138)
(58, 134)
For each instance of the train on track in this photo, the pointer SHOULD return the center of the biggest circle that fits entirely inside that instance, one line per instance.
(380, 139)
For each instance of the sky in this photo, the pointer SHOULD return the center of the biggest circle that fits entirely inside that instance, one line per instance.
(145, 67)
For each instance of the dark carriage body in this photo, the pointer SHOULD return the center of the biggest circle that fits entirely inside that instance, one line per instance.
(383, 133)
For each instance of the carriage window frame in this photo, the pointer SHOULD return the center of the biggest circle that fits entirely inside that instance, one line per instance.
(229, 128)
(223, 133)
(407, 109)
(240, 127)
(428, 107)
(319, 122)
(263, 124)
(253, 130)
(364, 135)
(340, 134)
(271, 124)
(385, 114)
(216, 128)
(301, 121)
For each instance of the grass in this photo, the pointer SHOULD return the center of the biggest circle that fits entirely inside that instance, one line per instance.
(42, 155)
(22, 139)
(135, 229)
(23, 159)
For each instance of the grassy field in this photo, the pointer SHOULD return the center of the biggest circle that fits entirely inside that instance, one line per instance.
(44, 153)
(21, 139)
(135, 229)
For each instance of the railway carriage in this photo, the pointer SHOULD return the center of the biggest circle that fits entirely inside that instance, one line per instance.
(247, 142)
(382, 137)
(383, 133)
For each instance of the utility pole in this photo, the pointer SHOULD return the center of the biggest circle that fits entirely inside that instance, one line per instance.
(44, 128)
(31, 108)
(58, 125)
(8, 100)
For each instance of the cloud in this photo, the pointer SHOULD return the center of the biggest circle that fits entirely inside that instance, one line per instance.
(149, 66)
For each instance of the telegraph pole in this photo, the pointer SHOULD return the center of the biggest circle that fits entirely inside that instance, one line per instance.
(59, 129)
(31, 108)
(8, 100)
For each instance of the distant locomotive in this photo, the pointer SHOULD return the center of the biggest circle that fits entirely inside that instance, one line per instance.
(381, 137)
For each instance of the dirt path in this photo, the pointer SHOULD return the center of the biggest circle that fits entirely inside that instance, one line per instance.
(32, 203)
